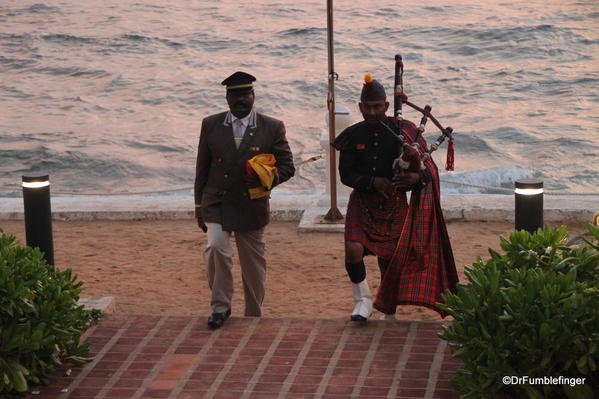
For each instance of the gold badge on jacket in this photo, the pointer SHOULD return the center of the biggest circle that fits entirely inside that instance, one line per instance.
(255, 148)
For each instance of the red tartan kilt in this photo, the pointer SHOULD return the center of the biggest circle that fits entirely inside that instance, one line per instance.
(375, 222)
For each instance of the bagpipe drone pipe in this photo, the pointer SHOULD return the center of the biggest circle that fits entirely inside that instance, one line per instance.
(410, 158)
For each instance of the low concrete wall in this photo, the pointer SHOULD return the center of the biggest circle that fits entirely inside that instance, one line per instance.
(291, 206)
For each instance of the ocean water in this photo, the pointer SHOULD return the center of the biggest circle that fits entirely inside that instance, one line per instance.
(108, 95)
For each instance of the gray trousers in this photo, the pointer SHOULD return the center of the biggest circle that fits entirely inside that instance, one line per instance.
(219, 258)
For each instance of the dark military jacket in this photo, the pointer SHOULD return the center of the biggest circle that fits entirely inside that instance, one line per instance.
(220, 190)
(368, 152)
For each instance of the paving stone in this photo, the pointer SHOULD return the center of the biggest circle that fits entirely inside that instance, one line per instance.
(155, 393)
(120, 393)
(128, 383)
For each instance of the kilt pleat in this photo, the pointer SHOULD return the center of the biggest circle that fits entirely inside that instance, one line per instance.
(375, 222)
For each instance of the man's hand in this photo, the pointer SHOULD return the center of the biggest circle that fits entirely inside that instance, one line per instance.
(405, 179)
(252, 179)
(383, 186)
(201, 223)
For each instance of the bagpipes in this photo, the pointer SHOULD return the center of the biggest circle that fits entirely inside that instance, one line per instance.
(410, 158)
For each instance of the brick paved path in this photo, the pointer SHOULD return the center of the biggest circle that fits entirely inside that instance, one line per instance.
(178, 357)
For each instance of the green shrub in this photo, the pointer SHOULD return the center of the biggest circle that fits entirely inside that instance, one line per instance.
(40, 321)
(532, 311)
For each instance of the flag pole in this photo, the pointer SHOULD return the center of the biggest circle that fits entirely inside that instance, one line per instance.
(333, 214)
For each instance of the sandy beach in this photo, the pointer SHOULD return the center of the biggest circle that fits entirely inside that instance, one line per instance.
(156, 267)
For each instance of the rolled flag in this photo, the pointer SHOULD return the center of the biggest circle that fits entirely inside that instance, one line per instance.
(264, 166)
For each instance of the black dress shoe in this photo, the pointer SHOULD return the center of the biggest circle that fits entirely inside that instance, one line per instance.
(357, 317)
(216, 320)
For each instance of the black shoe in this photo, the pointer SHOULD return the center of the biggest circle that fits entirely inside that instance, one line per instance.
(216, 320)
(357, 317)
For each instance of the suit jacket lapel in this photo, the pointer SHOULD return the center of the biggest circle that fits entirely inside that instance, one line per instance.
(227, 132)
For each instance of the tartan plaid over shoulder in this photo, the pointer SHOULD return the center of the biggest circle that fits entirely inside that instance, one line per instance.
(422, 266)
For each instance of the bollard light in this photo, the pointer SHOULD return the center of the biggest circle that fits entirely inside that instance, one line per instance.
(38, 214)
(529, 204)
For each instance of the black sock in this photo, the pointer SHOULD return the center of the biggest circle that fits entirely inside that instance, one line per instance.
(356, 271)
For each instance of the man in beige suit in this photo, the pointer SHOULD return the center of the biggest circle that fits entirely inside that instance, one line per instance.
(223, 205)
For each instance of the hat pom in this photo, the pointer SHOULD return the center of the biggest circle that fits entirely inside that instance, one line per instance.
(368, 78)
